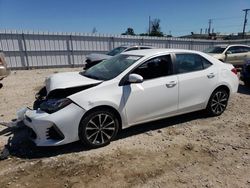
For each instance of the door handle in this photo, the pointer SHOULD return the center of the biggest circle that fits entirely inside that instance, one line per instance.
(171, 84)
(211, 75)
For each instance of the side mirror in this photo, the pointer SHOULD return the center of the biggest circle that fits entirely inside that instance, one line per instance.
(135, 78)
(228, 52)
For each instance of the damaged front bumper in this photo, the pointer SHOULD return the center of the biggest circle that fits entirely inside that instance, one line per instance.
(53, 129)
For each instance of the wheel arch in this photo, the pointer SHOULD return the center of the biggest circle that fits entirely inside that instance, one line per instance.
(209, 109)
(105, 107)
(225, 87)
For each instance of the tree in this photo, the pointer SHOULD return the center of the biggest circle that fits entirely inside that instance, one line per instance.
(155, 29)
(143, 34)
(130, 31)
(94, 30)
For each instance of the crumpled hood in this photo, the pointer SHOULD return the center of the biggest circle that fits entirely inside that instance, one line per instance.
(68, 80)
(97, 57)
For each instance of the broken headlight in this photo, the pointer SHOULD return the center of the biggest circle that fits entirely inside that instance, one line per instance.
(53, 105)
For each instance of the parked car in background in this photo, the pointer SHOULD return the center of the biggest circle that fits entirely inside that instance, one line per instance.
(130, 88)
(4, 71)
(94, 59)
(245, 73)
(234, 54)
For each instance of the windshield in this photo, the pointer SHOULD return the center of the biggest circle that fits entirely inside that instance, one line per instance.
(116, 51)
(215, 50)
(111, 68)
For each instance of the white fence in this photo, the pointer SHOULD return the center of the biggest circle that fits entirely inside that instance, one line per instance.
(24, 50)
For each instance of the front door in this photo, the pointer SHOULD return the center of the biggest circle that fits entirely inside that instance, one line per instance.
(157, 96)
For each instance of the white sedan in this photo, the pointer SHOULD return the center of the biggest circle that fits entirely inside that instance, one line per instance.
(130, 88)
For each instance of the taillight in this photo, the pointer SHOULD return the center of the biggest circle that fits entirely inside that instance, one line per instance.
(234, 70)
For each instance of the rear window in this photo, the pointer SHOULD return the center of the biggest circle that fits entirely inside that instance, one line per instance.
(116, 51)
(191, 62)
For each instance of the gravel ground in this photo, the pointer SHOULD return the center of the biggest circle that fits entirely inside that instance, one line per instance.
(186, 151)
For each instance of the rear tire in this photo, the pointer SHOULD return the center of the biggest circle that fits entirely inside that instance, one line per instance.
(218, 102)
(98, 128)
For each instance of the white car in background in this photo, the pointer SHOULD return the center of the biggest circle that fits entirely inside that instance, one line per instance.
(130, 88)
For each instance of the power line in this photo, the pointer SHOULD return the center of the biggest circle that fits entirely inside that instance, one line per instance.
(227, 26)
(226, 18)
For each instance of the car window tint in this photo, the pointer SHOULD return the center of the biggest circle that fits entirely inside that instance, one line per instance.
(238, 49)
(144, 48)
(116, 51)
(205, 62)
(245, 49)
(130, 49)
(155, 67)
(188, 63)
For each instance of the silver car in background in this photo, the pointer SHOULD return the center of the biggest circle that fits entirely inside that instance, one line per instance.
(4, 71)
(233, 54)
(93, 59)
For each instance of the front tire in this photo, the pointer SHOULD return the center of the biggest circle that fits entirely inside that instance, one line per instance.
(218, 102)
(98, 128)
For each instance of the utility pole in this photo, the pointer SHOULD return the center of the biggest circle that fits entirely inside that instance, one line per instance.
(149, 25)
(209, 26)
(245, 22)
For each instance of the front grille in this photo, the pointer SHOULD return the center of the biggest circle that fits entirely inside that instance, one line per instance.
(54, 133)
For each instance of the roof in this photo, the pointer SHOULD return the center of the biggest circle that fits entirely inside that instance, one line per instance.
(226, 45)
(130, 46)
(150, 52)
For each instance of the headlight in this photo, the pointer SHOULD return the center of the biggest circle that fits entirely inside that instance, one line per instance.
(53, 105)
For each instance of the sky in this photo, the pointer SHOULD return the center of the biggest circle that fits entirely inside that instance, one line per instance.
(178, 17)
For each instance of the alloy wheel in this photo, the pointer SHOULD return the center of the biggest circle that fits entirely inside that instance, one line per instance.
(219, 102)
(100, 129)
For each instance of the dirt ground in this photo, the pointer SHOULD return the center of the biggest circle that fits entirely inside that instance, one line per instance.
(186, 151)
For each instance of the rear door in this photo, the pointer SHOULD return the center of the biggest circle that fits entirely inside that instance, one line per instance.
(156, 96)
(197, 78)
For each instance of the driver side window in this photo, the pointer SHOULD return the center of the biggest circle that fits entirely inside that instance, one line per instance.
(237, 49)
(155, 67)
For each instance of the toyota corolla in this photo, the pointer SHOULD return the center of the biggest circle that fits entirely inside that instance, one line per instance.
(130, 88)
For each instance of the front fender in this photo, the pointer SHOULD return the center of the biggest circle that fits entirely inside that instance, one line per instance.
(102, 96)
